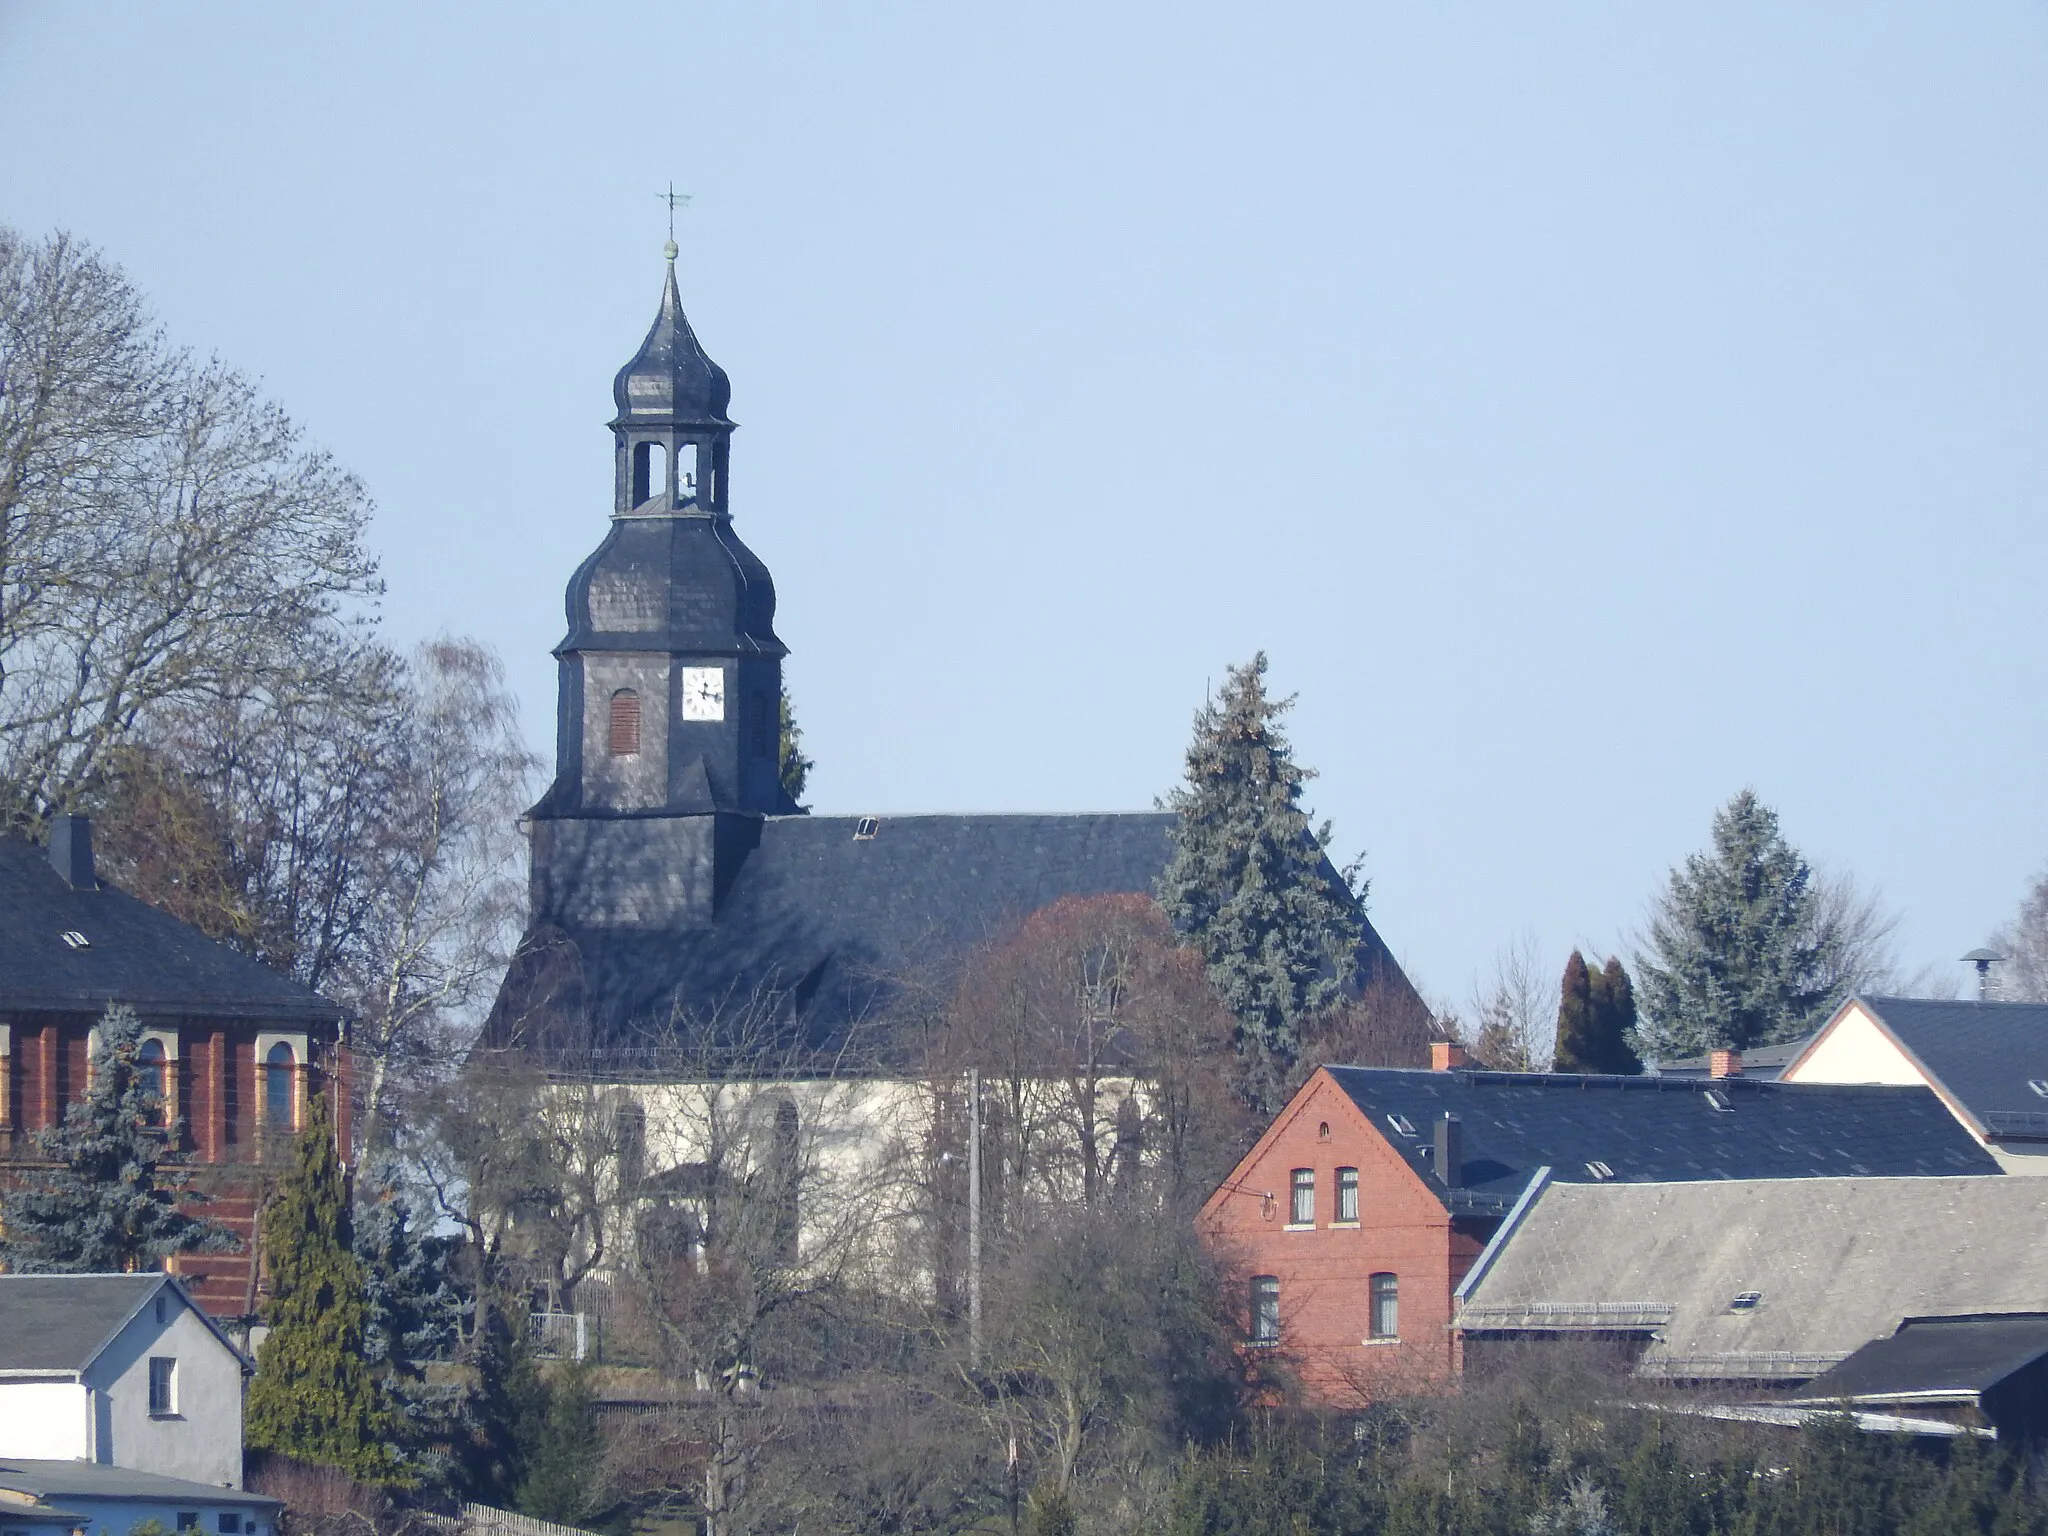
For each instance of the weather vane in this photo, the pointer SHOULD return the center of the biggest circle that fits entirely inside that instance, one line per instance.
(675, 200)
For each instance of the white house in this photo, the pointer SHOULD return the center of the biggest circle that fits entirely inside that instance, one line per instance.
(120, 1374)
(1988, 1062)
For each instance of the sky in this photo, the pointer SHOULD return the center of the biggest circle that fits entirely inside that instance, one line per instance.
(1591, 410)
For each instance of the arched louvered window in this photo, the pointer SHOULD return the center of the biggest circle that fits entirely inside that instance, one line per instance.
(625, 723)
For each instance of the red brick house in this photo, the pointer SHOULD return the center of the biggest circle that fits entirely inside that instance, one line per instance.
(239, 1047)
(1352, 1220)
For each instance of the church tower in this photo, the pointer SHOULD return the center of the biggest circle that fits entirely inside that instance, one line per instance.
(669, 727)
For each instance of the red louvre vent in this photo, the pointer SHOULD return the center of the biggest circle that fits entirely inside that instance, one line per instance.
(625, 734)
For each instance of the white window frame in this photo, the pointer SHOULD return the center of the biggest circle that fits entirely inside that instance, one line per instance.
(170, 1382)
(1297, 1187)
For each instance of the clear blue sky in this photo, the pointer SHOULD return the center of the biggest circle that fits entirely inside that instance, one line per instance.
(1592, 409)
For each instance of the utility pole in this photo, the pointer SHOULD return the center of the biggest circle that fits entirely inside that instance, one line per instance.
(974, 1217)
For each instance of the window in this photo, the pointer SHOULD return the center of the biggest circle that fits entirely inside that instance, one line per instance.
(230, 1524)
(624, 740)
(1265, 1309)
(1386, 1306)
(163, 1385)
(188, 1519)
(1717, 1101)
(163, 1309)
(2039, 1086)
(154, 1068)
(1347, 1194)
(1745, 1301)
(865, 828)
(1600, 1170)
(764, 726)
(1323, 1131)
(280, 1067)
(76, 939)
(1301, 1211)
(1402, 1125)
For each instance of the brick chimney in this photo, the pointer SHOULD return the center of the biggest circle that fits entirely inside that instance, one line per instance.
(1445, 1055)
(71, 851)
(1724, 1063)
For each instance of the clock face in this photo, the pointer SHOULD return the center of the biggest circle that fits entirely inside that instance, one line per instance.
(703, 693)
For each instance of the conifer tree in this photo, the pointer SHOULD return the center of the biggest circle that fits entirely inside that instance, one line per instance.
(562, 1449)
(1739, 954)
(414, 1312)
(1249, 885)
(314, 1397)
(792, 766)
(101, 1204)
(1595, 1014)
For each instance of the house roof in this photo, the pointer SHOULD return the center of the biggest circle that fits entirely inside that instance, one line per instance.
(1981, 1055)
(133, 954)
(95, 1480)
(1764, 1061)
(1835, 1262)
(836, 921)
(1937, 1357)
(63, 1322)
(1652, 1129)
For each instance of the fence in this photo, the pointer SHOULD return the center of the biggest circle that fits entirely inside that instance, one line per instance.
(482, 1520)
(560, 1335)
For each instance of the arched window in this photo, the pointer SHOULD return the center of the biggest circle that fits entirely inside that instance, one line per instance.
(1386, 1306)
(153, 1066)
(280, 1089)
(625, 723)
(650, 471)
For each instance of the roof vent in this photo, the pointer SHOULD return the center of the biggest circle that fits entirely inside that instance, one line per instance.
(1599, 1170)
(1402, 1125)
(864, 830)
(76, 939)
(1745, 1301)
(1717, 1101)
(71, 851)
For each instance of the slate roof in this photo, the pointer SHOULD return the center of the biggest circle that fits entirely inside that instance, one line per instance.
(96, 1480)
(1836, 1262)
(1654, 1129)
(62, 1322)
(1930, 1356)
(834, 921)
(134, 954)
(1981, 1055)
(1762, 1061)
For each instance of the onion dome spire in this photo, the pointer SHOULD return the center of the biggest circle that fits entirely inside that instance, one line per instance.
(670, 381)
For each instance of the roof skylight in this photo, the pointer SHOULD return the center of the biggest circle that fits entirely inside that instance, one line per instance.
(1599, 1170)
(1745, 1301)
(1717, 1101)
(1401, 1124)
(76, 939)
(864, 830)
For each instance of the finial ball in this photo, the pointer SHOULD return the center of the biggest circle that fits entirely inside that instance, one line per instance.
(670, 249)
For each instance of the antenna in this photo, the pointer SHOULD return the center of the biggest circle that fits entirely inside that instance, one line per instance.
(1984, 959)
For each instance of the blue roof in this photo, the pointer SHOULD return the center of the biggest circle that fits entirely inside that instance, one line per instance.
(1657, 1130)
(1983, 1055)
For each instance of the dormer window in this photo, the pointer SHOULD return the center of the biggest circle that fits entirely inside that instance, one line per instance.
(624, 737)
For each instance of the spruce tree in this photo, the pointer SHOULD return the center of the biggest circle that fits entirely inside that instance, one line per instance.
(1595, 1014)
(793, 768)
(414, 1313)
(1249, 885)
(314, 1397)
(562, 1449)
(1738, 954)
(100, 1204)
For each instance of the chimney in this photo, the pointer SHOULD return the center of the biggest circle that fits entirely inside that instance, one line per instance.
(1445, 1055)
(1450, 1151)
(1724, 1063)
(71, 851)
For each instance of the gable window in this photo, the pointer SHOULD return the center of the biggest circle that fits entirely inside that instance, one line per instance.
(280, 1109)
(163, 1385)
(1301, 1211)
(1347, 1194)
(1265, 1309)
(624, 738)
(1386, 1306)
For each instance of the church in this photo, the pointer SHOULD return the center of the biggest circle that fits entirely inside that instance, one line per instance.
(678, 892)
